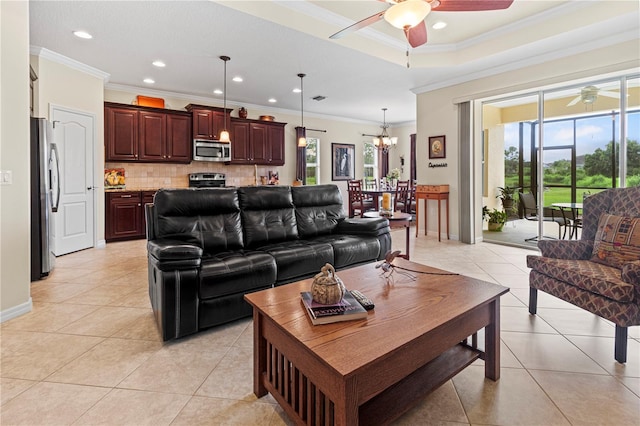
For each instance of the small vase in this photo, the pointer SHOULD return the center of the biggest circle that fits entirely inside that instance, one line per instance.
(327, 288)
(242, 112)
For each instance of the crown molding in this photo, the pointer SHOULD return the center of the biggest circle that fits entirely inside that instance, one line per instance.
(213, 101)
(50, 55)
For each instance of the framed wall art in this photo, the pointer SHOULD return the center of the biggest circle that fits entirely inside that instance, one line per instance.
(343, 163)
(437, 147)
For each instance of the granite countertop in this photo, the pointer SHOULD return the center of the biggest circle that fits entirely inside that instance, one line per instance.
(129, 189)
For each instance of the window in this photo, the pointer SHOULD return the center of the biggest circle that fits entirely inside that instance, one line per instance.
(313, 159)
(370, 161)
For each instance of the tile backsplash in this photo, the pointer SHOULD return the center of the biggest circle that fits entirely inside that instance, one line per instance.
(158, 175)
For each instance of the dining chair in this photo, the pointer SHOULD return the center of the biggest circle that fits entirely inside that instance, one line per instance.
(358, 204)
(402, 196)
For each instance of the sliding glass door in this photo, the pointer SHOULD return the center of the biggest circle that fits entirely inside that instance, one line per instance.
(563, 144)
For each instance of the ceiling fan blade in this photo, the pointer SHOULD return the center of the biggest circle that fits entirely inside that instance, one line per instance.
(359, 25)
(471, 5)
(574, 101)
(609, 94)
(417, 36)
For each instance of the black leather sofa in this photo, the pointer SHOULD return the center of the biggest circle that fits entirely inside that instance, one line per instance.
(207, 248)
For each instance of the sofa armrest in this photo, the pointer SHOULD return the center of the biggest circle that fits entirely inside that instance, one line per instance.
(173, 254)
(563, 249)
(357, 226)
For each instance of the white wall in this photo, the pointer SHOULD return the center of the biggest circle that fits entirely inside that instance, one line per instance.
(15, 253)
(438, 111)
(66, 83)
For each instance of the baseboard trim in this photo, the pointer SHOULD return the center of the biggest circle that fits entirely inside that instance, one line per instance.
(101, 244)
(16, 311)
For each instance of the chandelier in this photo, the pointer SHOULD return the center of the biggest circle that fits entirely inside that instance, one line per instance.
(383, 141)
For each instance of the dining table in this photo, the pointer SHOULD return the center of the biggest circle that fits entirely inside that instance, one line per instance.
(574, 217)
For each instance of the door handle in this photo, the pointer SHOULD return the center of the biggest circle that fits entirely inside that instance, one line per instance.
(89, 188)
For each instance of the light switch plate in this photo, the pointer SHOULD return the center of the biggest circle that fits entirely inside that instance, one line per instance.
(6, 177)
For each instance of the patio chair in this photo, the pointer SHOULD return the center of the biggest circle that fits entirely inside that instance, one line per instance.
(530, 210)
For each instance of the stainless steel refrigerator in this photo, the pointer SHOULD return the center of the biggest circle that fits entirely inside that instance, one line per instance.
(45, 196)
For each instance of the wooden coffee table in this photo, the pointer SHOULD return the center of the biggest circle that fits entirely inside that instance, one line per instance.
(372, 370)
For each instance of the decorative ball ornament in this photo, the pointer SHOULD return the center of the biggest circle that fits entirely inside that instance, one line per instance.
(327, 288)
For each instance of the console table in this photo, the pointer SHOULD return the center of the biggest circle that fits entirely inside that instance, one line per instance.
(432, 192)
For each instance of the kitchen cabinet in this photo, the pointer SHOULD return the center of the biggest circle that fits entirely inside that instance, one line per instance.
(207, 121)
(257, 142)
(125, 216)
(121, 133)
(146, 134)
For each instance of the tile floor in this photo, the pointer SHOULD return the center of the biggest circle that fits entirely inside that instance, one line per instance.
(90, 353)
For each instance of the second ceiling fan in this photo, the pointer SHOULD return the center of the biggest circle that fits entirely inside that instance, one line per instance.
(409, 15)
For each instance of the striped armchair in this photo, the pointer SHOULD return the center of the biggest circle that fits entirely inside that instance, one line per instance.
(600, 272)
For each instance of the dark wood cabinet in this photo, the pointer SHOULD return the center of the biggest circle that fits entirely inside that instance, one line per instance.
(207, 121)
(121, 133)
(153, 136)
(146, 134)
(179, 143)
(257, 142)
(125, 216)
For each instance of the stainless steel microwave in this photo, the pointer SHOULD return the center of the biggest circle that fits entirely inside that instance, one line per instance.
(205, 150)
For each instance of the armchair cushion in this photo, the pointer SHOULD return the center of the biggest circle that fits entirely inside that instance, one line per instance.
(590, 276)
(617, 240)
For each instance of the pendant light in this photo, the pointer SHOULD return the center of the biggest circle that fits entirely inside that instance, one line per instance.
(302, 141)
(224, 133)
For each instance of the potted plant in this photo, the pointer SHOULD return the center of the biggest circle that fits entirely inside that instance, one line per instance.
(507, 195)
(495, 218)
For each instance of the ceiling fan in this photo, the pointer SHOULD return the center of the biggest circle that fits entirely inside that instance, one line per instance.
(409, 15)
(589, 94)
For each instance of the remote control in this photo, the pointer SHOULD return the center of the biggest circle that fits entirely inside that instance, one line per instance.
(362, 299)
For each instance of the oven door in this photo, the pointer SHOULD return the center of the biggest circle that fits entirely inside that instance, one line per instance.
(211, 151)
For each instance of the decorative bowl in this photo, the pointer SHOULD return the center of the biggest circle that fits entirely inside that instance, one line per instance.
(267, 117)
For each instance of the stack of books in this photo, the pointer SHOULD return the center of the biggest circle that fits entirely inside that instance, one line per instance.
(346, 310)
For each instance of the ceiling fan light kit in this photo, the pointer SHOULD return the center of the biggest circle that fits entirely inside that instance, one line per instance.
(407, 14)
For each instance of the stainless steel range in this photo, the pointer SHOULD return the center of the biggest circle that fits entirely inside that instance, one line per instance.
(207, 180)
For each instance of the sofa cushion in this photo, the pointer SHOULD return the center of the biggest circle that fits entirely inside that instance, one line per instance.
(617, 240)
(585, 274)
(299, 258)
(267, 215)
(318, 209)
(349, 250)
(209, 218)
(235, 272)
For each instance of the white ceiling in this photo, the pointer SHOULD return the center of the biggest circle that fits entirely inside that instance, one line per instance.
(270, 42)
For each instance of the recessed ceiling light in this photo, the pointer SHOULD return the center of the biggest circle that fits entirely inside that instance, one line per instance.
(272, 100)
(296, 90)
(218, 92)
(237, 79)
(149, 80)
(82, 34)
(439, 25)
(159, 64)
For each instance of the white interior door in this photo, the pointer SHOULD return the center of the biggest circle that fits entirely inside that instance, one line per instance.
(73, 225)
